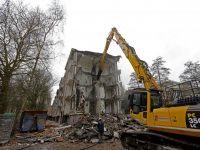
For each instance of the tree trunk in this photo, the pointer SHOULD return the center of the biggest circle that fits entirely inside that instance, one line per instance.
(4, 94)
(17, 121)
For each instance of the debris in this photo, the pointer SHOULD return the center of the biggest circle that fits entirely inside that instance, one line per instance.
(94, 130)
(94, 140)
(105, 129)
(48, 126)
(20, 137)
(41, 141)
(115, 118)
(79, 132)
(62, 127)
(122, 122)
(66, 138)
(84, 121)
(33, 140)
(59, 139)
(107, 134)
(116, 135)
(94, 122)
(51, 134)
(85, 130)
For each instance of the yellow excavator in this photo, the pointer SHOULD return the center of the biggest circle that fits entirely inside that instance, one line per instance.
(169, 117)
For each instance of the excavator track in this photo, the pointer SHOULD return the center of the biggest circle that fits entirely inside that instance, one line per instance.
(148, 140)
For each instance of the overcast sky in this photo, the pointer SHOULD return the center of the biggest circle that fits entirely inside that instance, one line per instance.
(170, 29)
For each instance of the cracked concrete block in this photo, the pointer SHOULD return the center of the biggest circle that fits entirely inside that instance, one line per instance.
(116, 134)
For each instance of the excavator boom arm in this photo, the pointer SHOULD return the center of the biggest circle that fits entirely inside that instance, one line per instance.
(140, 67)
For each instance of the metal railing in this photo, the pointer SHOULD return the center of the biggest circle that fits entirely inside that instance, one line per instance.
(185, 92)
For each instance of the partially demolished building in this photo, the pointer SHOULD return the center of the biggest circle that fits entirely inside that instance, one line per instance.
(80, 92)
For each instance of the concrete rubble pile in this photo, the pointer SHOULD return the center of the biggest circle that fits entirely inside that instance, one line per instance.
(85, 130)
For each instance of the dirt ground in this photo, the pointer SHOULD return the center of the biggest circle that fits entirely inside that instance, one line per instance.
(16, 144)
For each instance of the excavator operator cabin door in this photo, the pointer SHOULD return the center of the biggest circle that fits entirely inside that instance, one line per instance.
(138, 102)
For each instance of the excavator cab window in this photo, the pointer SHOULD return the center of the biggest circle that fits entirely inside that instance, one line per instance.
(138, 102)
(143, 102)
(156, 101)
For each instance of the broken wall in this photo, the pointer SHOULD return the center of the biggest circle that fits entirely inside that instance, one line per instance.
(81, 92)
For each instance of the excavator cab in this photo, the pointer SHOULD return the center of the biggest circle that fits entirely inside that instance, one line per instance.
(138, 102)
(142, 101)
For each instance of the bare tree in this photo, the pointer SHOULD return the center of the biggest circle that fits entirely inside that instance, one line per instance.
(191, 72)
(43, 42)
(39, 95)
(133, 83)
(25, 41)
(40, 91)
(27, 36)
(159, 71)
(14, 46)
